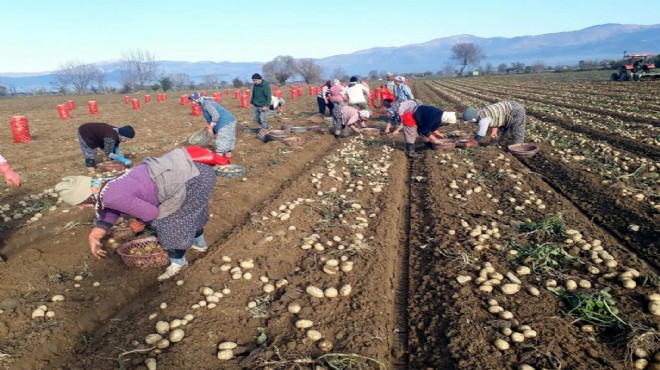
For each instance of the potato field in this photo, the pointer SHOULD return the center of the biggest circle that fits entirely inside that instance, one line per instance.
(346, 254)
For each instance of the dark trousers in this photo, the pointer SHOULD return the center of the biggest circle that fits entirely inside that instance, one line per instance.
(322, 105)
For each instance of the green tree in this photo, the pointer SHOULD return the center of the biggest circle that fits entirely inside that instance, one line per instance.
(237, 83)
(3, 91)
(166, 83)
(155, 87)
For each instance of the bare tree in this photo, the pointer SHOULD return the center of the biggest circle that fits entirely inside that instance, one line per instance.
(518, 67)
(538, 66)
(181, 80)
(466, 53)
(210, 81)
(76, 75)
(139, 68)
(309, 70)
(501, 68)
(281, 68)
(488, 69)
(339, 74)
(373, 74)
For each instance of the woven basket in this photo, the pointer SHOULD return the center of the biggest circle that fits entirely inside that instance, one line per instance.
(253, 130)
(317, 118)
(200, 137)
(111, 166)
(144, 260)
(460, 135)
(371, 131)
(523, 150)
(445, 144)
(294, 141)
(298, 129)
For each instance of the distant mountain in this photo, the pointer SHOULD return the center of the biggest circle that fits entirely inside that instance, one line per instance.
(607, 41)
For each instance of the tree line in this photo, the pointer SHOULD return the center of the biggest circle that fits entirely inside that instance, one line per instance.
(141, 70)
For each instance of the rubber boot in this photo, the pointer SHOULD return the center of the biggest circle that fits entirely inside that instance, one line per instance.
(410, 150)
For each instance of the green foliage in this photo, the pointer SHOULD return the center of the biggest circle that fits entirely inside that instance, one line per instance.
(550, 226)
(546, 256)
(155, 87)
(595, 307)
(237, 83)
(166, 83)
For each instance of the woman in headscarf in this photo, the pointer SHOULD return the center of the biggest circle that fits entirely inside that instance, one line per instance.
(338, 98)
(403, 91)
(323, 98)
(171, 192)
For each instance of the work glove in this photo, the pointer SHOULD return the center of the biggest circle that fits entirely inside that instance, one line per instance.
(94, 240)
(121, 159)
(116, 151)
(136, 225)
(11, 177)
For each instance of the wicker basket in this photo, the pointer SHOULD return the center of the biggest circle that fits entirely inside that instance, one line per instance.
(144, 260)
(317, 118)
(371, 131)
(294, 141)
(445, 144)
(252, 130)
(460, 135)
(523, 150)
(111, 166)
(200, 138)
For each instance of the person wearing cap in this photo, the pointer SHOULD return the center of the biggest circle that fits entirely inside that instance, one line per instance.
(11, 177)
(171, 192)
(402, 91)
(390, 86)
(424, 121)
(505, 116)
(276, 104)
(95, 135)
(357, 94)
(260, 100)
(350, 117)
(395, 109)
(219, 121)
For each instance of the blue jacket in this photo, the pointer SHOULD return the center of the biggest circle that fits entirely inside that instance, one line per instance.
(428, 119)
(214, 112)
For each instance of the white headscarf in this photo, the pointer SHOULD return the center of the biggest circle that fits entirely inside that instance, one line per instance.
(335, 82)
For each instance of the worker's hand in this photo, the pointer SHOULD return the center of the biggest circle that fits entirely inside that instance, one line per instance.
(123, 160)
(136, 225)
(11, 177)
(395, 132)
(264, 108)
(440, 135)
(94, 240)
(209, 129)
(473, 142)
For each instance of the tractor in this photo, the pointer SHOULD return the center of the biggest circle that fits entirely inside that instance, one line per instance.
(636, 67)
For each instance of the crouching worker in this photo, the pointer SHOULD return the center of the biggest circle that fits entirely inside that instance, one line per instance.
(94, 135)
(502, 117)
(172, 192)
(395, 110)
(424, 122)
(219, 121)
(350, 117)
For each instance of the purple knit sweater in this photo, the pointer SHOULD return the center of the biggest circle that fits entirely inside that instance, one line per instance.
(134, 194)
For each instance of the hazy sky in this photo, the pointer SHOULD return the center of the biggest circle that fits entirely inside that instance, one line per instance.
(39, 35)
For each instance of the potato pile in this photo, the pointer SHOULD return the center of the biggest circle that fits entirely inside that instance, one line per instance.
(150, 248)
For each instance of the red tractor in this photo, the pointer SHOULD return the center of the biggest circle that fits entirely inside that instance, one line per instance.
(636, 68)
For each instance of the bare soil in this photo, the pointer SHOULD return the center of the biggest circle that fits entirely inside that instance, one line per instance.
(403, 227)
